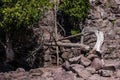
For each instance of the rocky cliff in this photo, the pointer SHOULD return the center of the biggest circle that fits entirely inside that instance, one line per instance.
(104, 15)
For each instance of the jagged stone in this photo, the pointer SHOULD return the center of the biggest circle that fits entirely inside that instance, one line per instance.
(92, 56)
(75, 59)
(97, 77)
(115, 8)
(20, 70)
(91, 70)
(112, 17)
(66, 65)
(97, 64)
(105, 73)
(80, 71)
(117, 23)
(112, 66)
(63, 76)
(117, 1)
(67, 54)
(118, 73)
(85, 61)
(94, 77)
(94, 15)
(117, 16)
(84, 74)
(60, 74)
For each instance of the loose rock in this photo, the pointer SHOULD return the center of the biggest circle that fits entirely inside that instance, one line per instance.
(97, 64)
(105, 73)
(85, 61)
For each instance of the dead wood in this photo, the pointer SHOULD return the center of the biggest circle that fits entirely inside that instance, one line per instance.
(2, 44)
(99, 42)
(71, 36)
(56, 34)
(82, 46)
(100, 39)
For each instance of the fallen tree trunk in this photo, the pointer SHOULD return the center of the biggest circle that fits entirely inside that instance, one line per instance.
(82, 46)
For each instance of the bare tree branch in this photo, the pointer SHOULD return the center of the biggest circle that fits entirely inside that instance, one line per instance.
(82, 46)
(2, 44)
(82, 37)
(61, 28)
(71, 36)
(56, 34)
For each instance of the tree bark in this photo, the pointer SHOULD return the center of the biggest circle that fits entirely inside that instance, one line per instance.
(8, 49)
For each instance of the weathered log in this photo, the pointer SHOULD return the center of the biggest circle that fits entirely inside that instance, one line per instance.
(82, 46)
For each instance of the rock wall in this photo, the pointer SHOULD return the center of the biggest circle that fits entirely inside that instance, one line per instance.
(105, 16)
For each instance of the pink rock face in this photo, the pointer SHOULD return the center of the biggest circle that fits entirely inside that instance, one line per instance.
(97, 64)
(60, 74)
(117, 23)
(117, 1)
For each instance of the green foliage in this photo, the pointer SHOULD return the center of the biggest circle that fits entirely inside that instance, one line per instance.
(75, 12)
(113, 22)
(76, 9)
(74, 31)
(19, 13)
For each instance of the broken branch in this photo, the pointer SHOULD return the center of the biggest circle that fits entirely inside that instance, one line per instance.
(71, 36)
(82, 46)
